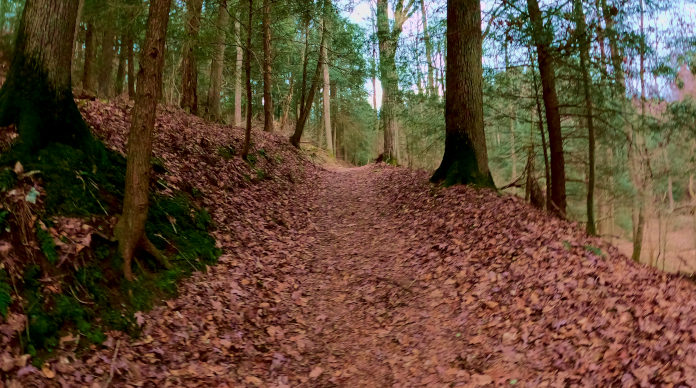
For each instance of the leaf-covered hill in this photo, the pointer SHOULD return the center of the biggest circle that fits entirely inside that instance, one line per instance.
(373, 277)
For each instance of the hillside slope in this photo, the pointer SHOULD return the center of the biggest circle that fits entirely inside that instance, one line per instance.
(372, 277)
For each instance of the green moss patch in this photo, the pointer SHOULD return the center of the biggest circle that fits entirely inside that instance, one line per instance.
(86, 293)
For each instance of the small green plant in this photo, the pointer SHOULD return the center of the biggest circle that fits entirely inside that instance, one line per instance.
(262, 152)
(594, 250)
(251, 159)
(227, 153)
(8, 179)
(566, 245)
(261, 174)
(48, 246)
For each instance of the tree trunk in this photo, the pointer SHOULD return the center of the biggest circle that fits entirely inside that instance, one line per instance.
(305, 63)
(553, 117)
(583, 37)
(107, 63)
(189, 79)
(90, 56)
(388, 76)
(327, 81)
(247, 68)
(37, 95)
(238, 75)
(120, 72)
(466, 157)
(78, 19)
(640, 176)
(131, 68)
(217, 63)
(428, 51)
(130, 229)
(299, 126)
(513, 155)
(267, 68)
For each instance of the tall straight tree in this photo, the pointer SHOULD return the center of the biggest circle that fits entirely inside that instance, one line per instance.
(217, 62)
(130, 229)
(582, 34)
(542, 37)
(267, 68)
(238, 74)
(90, 56)
(247, 70)
(37, 95)
(327, 81)
(428, 50)
(189, 78)
(107, 62)
(388, 36)
(466, 158)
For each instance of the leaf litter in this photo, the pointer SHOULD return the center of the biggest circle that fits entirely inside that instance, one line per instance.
(372, 277)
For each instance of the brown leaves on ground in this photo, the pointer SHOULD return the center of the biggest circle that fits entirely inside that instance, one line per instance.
(371, 277)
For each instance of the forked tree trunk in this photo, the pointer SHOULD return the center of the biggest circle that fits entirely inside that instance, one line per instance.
(466, 158)
(217, 63)
(247, 69)
(130, 229)
(37, 96)
(107, 63)
(121, 70)
(553, 117)
(307, 108)
(189, 79)
(131, 68)
(267, 68)
(90, 56)
(238, 75)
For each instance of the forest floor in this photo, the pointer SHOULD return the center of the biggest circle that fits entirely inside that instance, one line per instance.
(373, 277)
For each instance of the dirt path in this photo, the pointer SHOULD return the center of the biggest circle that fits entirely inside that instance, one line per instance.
(370, 277)
(375, 324)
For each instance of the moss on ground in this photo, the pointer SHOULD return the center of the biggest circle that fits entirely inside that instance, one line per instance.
(95, 297)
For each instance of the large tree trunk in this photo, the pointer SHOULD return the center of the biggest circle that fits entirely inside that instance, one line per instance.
(130, 229)
(131, 67)
(121, 70)
(238, 75)
(553, 117)
(78, 19)
(107, 63)
(247, 69)
(217, 63)
(305, 63)
(307, 108)
(267, 68)
(189, 79)
(327, 81)
(466, 157)
(584, 43)
(37, 96)
(90, 56)
(428, 51)
(388, 76)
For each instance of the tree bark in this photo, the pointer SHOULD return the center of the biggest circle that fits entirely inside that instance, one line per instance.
(327, 81)
(388, 77)
(247, 68)
(553, 117)
(78, 19)
(131, 67)
(238, 74)
(466, 158)
(90, 56)
(189, 79)
(121, 70)
(107, 63)
(217, 63)
(267, 68)
(583, 37)
(299, 126)
(37, 95)
(130, 229)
